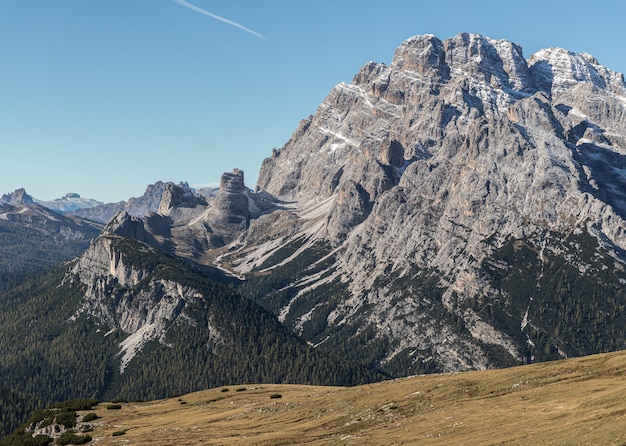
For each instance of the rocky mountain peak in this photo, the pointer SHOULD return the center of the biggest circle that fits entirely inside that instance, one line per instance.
(231, 207)
(138, 206)
(558, 70)
(421, 169)
(455, 82)
(174, 196)
(126, 225)
(70, 202)
(232, 182)
(424, 55)
(18, 196)
(499, 63)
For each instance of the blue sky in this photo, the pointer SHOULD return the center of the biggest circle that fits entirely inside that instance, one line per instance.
(103, 97)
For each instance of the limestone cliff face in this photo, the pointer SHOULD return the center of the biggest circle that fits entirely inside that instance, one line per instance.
(174, 197)
(434, 162)
(474, 136)
(125, 225)
(123, 294)
(230, 205)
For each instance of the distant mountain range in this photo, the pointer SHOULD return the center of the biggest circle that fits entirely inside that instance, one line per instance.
(460, 208)
(34, 237)
(70, 202)
(73, 204)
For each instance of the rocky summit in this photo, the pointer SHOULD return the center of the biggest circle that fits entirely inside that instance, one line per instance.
(460, 208)
(459, 191)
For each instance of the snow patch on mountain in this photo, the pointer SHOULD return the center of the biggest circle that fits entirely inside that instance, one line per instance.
(69, 202)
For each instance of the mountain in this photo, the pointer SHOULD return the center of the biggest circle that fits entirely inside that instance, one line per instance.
(18, 196)
(137, 206)
(473, 204)
(461, 208)
(69, 202)
(125, 318)
(37, 234)
(33, 237)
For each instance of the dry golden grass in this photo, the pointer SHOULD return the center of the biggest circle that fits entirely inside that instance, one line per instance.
(575, 402)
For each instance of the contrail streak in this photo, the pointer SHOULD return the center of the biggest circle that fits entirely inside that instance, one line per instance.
(221, 19)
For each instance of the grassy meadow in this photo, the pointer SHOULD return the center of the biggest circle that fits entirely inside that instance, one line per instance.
(572, 402)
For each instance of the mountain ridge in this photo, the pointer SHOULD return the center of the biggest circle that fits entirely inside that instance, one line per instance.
(34, 237)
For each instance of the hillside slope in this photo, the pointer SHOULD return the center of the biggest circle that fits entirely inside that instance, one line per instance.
(33, 238)
(125, 319)
(578, 401)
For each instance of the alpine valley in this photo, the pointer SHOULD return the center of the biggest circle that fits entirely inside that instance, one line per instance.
(461, 208)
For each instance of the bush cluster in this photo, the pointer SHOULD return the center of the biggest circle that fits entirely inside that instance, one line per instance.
(90, 417)
(70, 437)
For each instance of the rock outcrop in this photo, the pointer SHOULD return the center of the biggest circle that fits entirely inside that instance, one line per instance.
(174, 197)
(230, 205)
(18, 196)
(125, 225)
